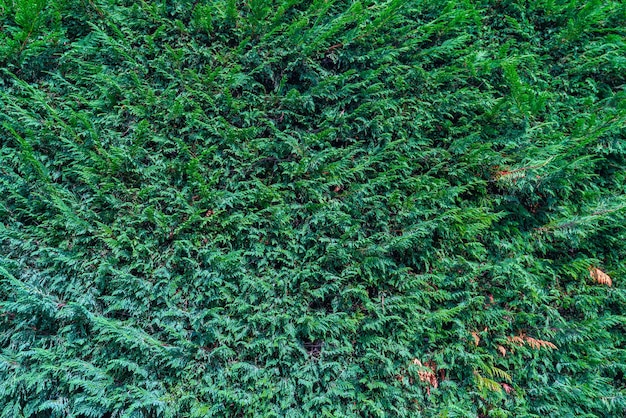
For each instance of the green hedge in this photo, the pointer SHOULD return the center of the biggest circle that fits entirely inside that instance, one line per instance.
(287, 208)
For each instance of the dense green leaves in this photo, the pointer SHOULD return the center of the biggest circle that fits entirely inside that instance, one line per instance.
(312, 208)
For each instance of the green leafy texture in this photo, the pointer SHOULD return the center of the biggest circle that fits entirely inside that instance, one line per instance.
(312, 208)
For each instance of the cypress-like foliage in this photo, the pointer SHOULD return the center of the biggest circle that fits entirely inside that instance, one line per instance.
(287, 208)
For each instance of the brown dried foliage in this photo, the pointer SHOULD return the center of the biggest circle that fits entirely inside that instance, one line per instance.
(427, 376)
(600, 277)
(502, 350)
(476, 338)
(532, 342)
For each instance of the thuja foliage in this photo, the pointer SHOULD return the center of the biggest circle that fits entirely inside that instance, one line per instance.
(287, 208)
